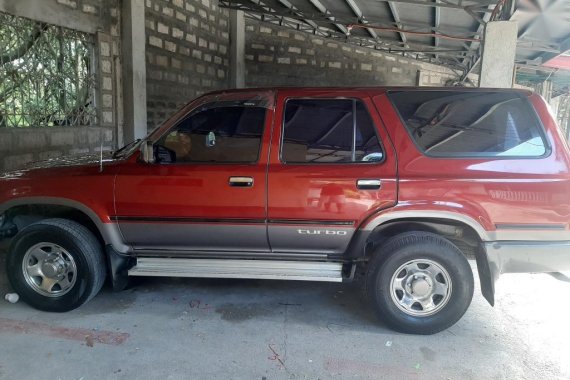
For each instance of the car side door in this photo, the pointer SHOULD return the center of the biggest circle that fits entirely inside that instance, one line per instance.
(332, 165)
(206, 190)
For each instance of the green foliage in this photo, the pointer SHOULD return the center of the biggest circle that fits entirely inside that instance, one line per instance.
(46, 76)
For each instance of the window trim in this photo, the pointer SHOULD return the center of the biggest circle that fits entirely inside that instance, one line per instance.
(282, 126)
(532, 113)
(237, 163)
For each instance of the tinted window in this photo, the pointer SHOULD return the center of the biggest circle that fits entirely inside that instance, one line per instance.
(329, 131)
(454, 123)
(218, 134)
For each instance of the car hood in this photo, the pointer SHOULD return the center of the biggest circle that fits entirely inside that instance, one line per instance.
(46, 166)
(67, 161)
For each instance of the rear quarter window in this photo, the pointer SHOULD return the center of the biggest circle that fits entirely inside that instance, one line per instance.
(470, 124)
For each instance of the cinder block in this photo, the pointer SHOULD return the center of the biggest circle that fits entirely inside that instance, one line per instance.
(168, 11)
(181, 16)
(162, 28)
(107, 117)
(89, 9)
(265, 58)
(155, 41)
(162, 60)
(106, 66)
(69, 3)
(170, 46)
(177, 33)
(107, 100)
(108, 134)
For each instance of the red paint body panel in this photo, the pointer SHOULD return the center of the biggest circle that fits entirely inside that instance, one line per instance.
(489, 190)
(296, 191)
(82, 184)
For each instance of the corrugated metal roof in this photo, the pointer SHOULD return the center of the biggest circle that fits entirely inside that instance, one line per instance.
(446, 32)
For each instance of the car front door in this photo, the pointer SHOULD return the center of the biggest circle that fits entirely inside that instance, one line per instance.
(207, 189)
(332, 165)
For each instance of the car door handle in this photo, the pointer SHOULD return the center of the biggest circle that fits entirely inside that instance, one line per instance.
(368, 184)
(241, 181)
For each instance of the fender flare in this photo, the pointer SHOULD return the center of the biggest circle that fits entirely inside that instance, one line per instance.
(486, 278)
(389, 216)
(109, 231)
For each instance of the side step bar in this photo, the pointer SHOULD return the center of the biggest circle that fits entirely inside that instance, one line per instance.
(255, 269)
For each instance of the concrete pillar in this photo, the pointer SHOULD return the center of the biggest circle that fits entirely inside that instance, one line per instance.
(545, 90)
(237, 49)
(134, 70)
(498, 57)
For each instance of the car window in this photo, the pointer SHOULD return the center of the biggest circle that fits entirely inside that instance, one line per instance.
(470, 124)
(329, 131)
(215, 133)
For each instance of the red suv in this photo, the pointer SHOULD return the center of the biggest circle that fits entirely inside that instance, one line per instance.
(316, 184)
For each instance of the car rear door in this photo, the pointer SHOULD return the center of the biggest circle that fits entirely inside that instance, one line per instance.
(207, 191)
(331, 166)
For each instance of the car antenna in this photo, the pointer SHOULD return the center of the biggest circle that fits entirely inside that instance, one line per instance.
(101, 151)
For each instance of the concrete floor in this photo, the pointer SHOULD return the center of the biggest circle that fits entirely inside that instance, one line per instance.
(230, 329)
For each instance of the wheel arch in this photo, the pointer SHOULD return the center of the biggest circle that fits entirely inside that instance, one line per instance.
(32, 209)
(466, 233)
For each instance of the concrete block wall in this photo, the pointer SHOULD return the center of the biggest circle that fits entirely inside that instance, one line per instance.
(25, 145)
(281, 57)
(19, 146)
(187, 53)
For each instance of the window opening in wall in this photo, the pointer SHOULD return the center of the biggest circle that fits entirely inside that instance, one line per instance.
(46, 75)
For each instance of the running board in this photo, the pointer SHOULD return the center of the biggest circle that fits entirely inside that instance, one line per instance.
(255, 269)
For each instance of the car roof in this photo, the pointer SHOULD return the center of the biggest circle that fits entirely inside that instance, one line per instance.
(371, 89)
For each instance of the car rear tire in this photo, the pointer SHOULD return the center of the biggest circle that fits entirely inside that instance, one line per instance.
(56, 265)
(419, 283)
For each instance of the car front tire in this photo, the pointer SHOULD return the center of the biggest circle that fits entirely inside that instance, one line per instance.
(56, 265)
